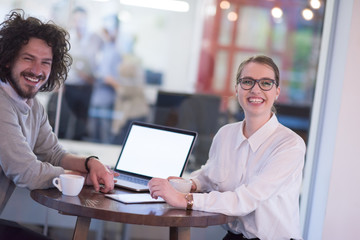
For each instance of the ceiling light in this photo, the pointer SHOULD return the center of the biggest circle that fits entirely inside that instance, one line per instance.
(168, 5)
(307, 14)
(315, 4)
(276, 12)
(224, 4)
(232, 16)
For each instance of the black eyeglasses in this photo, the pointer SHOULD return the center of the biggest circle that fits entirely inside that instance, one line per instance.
(248, 83)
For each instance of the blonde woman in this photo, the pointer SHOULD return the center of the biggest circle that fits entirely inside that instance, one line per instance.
(254, 170)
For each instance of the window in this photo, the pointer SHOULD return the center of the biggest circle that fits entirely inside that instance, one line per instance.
(134, 53)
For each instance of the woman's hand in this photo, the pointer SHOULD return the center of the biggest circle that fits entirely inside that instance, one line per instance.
(193, 185)
(162, 188)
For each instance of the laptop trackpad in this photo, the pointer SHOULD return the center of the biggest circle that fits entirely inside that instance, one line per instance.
(132, 186)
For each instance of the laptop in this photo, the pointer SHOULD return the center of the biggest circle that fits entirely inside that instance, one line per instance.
(151, 150)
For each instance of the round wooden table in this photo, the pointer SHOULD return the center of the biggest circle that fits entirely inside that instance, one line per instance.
(90, 204)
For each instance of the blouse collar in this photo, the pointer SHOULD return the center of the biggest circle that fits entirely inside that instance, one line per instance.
(261, 135)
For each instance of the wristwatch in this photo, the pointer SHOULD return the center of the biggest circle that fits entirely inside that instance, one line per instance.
(190, 201)
(87, 161)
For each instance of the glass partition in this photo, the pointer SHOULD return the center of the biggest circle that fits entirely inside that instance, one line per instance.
(126, 56)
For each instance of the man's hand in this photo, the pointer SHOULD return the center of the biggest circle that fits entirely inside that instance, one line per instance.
(100, 175)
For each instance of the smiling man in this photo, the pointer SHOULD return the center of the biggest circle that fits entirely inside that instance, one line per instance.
(31, 68)
(34, 57)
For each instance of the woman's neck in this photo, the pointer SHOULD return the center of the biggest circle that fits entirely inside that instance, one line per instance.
(252, 124)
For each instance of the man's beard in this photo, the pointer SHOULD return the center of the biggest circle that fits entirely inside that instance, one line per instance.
(22, 92)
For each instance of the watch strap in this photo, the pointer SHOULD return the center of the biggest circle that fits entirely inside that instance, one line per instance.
(87, 161)
(189, 201)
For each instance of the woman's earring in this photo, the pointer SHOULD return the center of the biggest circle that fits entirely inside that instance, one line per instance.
(276, 97)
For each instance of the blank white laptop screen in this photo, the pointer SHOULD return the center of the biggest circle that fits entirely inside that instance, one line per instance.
(155, 152)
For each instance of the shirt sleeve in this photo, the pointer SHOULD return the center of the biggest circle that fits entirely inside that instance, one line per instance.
(202, 177)
(282, 173)
(47, 147)
(28, 149)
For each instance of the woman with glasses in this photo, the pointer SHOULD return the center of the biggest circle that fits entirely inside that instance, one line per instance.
(254, 170)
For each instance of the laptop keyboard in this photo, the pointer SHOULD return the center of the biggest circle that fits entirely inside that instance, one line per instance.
(133, 179)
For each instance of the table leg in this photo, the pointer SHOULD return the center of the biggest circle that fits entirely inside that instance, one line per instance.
(81, 228)
(179, 233)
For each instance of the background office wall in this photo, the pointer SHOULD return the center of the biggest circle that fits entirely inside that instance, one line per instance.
(334, 198)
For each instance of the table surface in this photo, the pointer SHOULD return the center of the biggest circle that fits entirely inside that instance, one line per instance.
(91, 204)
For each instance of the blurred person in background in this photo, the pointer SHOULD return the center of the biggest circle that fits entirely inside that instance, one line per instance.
(130, 102)
(106, 80)
(84, 50)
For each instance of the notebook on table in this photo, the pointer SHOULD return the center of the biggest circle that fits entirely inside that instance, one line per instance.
(134, 198)
(151, 150)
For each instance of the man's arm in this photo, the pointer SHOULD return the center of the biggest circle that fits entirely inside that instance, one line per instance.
(99, 173)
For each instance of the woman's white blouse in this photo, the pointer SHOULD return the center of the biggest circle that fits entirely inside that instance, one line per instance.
(257, 179)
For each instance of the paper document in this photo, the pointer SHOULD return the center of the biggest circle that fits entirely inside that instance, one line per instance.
(134, 198)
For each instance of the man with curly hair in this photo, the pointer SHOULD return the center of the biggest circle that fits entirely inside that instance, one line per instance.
(34, 57)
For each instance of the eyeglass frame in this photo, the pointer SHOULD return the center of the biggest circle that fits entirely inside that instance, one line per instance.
(238, 81)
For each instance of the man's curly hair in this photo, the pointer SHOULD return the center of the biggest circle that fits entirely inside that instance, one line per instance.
(16, 31)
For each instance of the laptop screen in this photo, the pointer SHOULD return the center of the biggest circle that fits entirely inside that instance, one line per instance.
(155, 151)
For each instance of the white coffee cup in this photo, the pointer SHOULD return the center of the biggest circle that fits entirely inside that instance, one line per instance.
(69, 184)
(180, 184)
